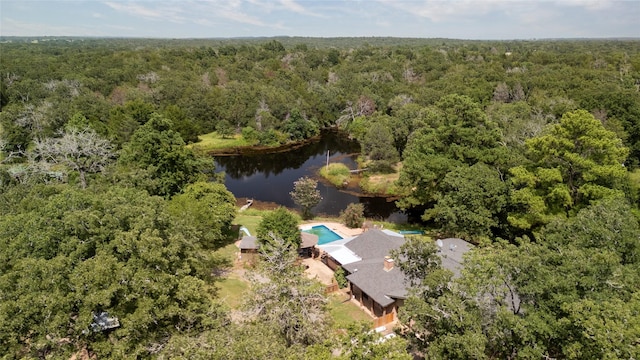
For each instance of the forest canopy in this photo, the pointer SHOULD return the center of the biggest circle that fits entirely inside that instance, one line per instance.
(528, 149)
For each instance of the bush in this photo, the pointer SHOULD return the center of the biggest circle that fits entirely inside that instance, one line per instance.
(341, 277)
(281, 223)
(337, 173)
(250, 134)
(353, 215)
(381, 167)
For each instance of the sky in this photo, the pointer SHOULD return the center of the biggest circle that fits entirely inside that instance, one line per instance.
(457, 19)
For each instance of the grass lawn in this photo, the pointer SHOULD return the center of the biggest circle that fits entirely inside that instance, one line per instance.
(248, 219)
(383, 184)
(344, 313)
(337, 173)
(228, 252)
(212, 141)
(231, 287)
(231, 290)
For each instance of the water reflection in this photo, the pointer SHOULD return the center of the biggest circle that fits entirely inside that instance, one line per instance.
(270, 177)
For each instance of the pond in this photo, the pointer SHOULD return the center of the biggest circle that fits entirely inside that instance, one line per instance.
(270, 177)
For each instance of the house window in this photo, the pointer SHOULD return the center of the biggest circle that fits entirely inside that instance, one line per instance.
(365, 296)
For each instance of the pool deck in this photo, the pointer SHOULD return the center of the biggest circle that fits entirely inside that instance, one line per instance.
(338, 228)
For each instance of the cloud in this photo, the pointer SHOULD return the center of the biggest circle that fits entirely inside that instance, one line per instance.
(443, 10)
(161, 11)
(293, 6)
(591, 5)
(204, 13)
(440, 11)
(13, 27)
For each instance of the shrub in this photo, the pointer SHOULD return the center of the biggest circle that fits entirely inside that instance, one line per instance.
(353, 215)
(341, 277)
(250, 134)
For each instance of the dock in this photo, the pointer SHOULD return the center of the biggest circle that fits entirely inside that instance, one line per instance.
(246, 206)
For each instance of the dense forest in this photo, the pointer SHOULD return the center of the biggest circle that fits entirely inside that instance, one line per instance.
(529, 149)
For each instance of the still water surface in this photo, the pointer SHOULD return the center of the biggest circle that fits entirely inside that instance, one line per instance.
(270, 177)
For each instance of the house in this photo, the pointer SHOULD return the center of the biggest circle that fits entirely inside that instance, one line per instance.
(375, 283)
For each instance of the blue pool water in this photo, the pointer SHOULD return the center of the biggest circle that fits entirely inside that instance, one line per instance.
(325, 235)
(411, 232)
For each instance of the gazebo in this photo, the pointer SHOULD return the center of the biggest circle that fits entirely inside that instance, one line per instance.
(309, 241)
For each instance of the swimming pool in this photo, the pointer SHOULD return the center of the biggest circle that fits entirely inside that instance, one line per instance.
(325, 235)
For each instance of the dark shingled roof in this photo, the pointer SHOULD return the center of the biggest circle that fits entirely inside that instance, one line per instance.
(369, 274)
(375, 244)
(381, 285)
(451, 254)
(385, 286)
(248, 243)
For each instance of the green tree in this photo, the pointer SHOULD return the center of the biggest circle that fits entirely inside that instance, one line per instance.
(353, 215)
(564, 296)
(306, 195)
(100, 249)
(378, 146)
(243, 341)
(459, 135)
(360, 343)
(341, 277)
(298, 127)
(209, 208)
(224, 129)
(282, 224)
(187, 128)
(157, 159)
(573, 163)
(473, 201)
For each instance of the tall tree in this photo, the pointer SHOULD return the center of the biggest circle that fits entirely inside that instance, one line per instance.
(573, 163)
(157, 159)
(459, 135)
(567, 295)
(473, 202)
(306, 195)
(378, 146)
(209, 208)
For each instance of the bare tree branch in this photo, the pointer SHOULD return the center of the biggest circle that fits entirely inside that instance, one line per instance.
(83, 151)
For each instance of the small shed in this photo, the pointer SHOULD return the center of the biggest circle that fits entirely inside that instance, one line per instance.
(248, 244)
(248, 249)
